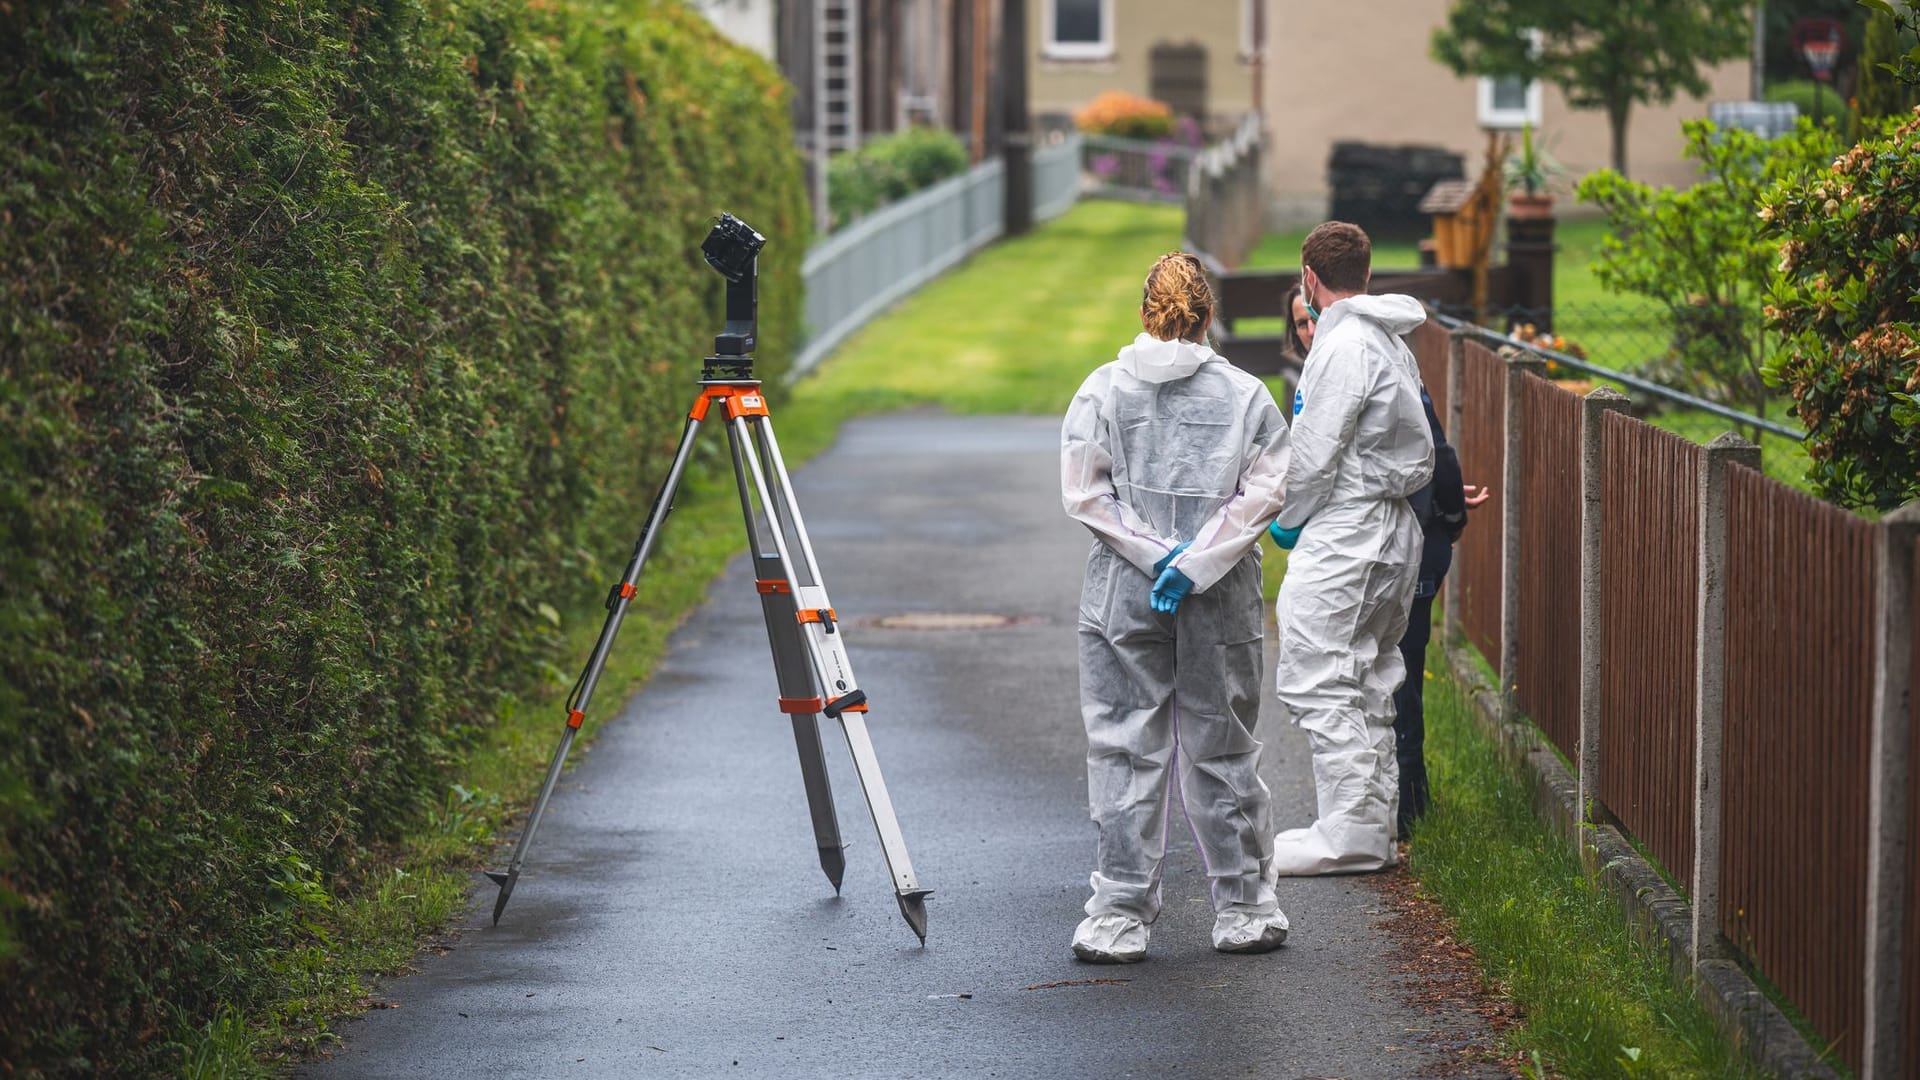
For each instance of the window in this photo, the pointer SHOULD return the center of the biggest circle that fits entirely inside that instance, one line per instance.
(1079, 29)
(1508, 101)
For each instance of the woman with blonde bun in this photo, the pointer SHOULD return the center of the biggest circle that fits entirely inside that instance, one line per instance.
(1174, 459)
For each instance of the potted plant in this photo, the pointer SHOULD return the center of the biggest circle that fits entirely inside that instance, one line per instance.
(1529, 170)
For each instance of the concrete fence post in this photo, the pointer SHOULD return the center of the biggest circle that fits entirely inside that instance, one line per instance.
(1710, 687)
(1457, 339)
(1518, 365)
(1889, 847)
(1594, 409)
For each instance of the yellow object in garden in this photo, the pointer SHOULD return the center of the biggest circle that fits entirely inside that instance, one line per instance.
(1129, 116)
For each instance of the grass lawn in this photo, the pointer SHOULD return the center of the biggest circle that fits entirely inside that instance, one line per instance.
(1014, 330)
(1597, 1004)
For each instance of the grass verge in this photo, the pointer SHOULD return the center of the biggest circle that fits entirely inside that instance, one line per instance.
(1015, 329)
(1597, 1004)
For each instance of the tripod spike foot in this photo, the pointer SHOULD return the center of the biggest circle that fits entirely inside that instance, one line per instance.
(913, 907)
(505, 881)
(834, 861)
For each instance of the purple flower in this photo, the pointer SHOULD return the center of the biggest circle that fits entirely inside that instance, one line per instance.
(1105, 165)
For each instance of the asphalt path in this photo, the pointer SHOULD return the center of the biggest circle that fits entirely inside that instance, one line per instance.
(673, 921)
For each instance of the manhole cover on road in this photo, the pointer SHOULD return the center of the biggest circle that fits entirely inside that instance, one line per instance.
(949, 620)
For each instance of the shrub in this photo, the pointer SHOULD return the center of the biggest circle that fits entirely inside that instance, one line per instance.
(1123, 115)
(331, 336)
(1845, 302)
(1811, 98)
(1700, 251)
(889, 168)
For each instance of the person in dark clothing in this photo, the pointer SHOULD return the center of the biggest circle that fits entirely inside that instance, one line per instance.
(1442, 508)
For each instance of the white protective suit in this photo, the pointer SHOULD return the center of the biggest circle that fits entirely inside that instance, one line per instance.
(1171, 443)
(1360, 446)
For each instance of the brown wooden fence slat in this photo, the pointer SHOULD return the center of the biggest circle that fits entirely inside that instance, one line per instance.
(1910, 963)
(1650, 567)
(1429, 345)
(1548, 682)
(1474, 582)
(1799, 660)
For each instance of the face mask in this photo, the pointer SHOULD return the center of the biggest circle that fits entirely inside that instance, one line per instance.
(1312, 312)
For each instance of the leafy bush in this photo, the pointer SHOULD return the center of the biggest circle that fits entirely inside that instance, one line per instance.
(1845, 302)
(1700, 251)
(340, 347)
(1123, 115)
(890, 168)
(1811, 98)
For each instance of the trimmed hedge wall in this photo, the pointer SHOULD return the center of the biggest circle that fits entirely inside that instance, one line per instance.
(342, 344)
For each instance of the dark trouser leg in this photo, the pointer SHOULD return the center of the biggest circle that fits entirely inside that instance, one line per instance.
(1410, 721)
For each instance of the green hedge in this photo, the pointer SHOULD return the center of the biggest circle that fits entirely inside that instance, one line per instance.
(890, 168)
(341, 346)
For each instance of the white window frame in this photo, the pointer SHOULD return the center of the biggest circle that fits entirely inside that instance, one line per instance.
(1077, 50)
(1492, 116)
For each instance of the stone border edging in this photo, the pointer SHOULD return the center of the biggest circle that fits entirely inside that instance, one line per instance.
(1657, 916)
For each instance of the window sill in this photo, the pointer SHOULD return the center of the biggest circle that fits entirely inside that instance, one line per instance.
(1076, 58)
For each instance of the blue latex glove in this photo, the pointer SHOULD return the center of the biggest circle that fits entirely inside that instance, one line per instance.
(1171, 588)
(1161, 566)
(1286, 538)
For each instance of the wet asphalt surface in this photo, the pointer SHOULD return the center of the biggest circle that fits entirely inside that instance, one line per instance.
(673, 921)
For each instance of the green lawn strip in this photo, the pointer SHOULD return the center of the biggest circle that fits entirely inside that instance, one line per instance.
(1596, 1003)
(1015, 329)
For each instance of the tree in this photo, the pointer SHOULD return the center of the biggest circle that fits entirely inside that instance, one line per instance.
(1703, 252)
(1604, 54)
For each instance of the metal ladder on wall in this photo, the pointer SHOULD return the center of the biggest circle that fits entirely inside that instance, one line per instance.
(836, 88)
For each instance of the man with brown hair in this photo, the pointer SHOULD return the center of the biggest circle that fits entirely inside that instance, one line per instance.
(1361, 446)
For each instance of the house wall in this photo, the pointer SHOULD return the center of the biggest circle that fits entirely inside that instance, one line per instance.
(1362, 72)
(1059, 86)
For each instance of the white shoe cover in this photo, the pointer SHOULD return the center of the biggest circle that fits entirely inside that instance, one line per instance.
(1242, 930)
(1110, 938)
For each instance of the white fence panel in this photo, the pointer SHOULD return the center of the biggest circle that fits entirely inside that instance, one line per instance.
(864, 268)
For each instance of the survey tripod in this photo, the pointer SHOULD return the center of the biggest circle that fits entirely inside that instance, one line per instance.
(809, 647)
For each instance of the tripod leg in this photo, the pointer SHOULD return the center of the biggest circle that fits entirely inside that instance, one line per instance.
(617, 600)
(827, 649)
(791, 667)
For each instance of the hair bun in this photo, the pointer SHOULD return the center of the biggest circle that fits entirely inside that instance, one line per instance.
(1176, 301)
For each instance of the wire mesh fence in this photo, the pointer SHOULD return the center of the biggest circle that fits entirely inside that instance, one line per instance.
(1639, 337)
